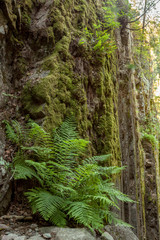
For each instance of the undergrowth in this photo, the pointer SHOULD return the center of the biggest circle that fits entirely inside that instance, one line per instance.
(72, 187)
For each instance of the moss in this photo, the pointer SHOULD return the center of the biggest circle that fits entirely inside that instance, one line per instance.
(9, 11)
(29, 3)
(26, 19)
(63, 91)
(156, 154)
(151, 139)
(21, 65)
(50, 34)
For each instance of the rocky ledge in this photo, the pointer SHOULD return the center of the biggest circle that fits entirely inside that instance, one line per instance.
(34, 232)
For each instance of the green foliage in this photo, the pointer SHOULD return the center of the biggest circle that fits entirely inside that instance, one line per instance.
(100, 39)
(150, 138)
(151, 129)
(48, 205)
(14, 132)
(72, 187)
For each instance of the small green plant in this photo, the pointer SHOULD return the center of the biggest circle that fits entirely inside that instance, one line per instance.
(72, 187)
(100, 39)
(150, 138)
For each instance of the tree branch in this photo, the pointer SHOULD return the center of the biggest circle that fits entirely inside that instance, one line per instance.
(146, 10)
(136, 29)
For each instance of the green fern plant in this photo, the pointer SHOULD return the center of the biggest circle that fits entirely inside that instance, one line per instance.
(72, 187)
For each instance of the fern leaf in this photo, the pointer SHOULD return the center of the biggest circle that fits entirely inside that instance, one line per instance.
(84, 214)
(24, 172)
(43, 153)
(104, 200)
(66, 131)
(47, 205)
(11, 134)
(110, 189)
(110, 170)
(96, 159)
(38, 135)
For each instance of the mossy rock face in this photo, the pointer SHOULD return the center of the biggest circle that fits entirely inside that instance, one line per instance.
(68, 79)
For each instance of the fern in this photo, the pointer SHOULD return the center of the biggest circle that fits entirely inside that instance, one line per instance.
(49, 206)
(85, 214)
(67, 131)
(42, 153)
(14, 132)
(97, 159)
(70, 186)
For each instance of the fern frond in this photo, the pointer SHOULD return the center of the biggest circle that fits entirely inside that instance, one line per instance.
(24, 172)
(66, 131)
(38, 135)
(110, 170)
(66, 151)
(47, 205)
(109, 188)
(103, 200)
(40, 168)
(113, 218)
(43, 153)
(84, 214)
(96, 159)
(13, 131)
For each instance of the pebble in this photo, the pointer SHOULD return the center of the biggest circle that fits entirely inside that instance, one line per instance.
(4, 227)
(37, 237)
(21, 238)
(6, 233)
(10, 237)
(47, 235)
(34, 226)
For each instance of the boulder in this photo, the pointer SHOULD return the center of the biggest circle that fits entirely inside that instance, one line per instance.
(73, 234)
(106, 236)
(13, 237)
(67, 233)
(121, 233)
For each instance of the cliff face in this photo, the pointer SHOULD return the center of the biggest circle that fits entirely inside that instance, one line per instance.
(141, 178)
(45, 73)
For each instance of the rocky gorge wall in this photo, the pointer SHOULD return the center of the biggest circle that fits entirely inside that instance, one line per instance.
(47, 75)
(133, 106)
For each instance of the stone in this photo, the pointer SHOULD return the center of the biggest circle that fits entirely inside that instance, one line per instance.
(49, 229)
(36, 237)
(2, 30)
(21, 238)
(7, 217)
(19, 218)
(33, 226)
(106, 236)
(4, 227)
(72, 234)
(67, 233)
(47, 235)
(121, 233)
(10, 237)
(28, 218)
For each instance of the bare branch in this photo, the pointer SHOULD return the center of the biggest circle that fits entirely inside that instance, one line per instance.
(146, 10)
(137, 29)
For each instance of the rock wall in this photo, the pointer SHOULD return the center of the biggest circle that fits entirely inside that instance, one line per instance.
(46, 74)
(5, 80)
(141, 177)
